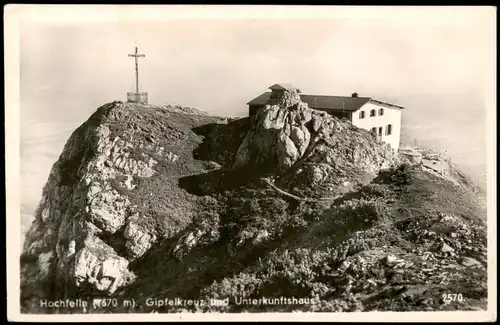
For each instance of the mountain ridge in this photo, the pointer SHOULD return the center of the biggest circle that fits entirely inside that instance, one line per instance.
(151, 201)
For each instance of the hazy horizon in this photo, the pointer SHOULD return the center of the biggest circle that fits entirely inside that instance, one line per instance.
(219, 65)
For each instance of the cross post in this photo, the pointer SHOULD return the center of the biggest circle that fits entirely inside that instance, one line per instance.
(136, 55)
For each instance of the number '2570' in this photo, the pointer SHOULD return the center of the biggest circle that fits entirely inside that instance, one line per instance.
(451, 297)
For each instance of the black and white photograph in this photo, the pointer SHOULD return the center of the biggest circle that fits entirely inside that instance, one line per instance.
(250, 162)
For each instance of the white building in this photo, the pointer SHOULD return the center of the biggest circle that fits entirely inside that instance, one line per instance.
(382, 118)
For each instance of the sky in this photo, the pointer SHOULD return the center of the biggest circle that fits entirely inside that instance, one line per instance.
(218, 65)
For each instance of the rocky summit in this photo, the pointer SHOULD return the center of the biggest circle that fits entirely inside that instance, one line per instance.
(288, 210)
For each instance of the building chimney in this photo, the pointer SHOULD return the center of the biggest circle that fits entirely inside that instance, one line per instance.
(354, 95)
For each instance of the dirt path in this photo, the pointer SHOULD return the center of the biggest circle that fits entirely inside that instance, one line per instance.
(267, 181)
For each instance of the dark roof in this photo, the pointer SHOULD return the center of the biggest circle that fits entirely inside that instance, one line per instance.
(335, 102)
(386, 103)
(260, 100)
(282, 85)
(346, 103)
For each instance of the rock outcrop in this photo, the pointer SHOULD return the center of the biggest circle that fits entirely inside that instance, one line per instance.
(310, 146)
(88, 225)
(145, 201)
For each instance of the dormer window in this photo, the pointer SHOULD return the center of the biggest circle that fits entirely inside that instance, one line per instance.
(361, 114)
(372, 112)
(381, 111)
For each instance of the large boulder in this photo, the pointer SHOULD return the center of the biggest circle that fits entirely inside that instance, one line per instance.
(287, 133)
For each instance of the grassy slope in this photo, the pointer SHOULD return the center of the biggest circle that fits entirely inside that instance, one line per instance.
(159, 199)
(335, 254)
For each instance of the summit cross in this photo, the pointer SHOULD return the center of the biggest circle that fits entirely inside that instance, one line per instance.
(136, 55)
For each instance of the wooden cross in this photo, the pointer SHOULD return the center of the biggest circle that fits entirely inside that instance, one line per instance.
(136, 55)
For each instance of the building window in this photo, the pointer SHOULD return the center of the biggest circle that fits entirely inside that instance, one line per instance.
(372, 112)
(361, 114)
(381, 111)
(374, 130)
(380, 131)
(388, 130)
